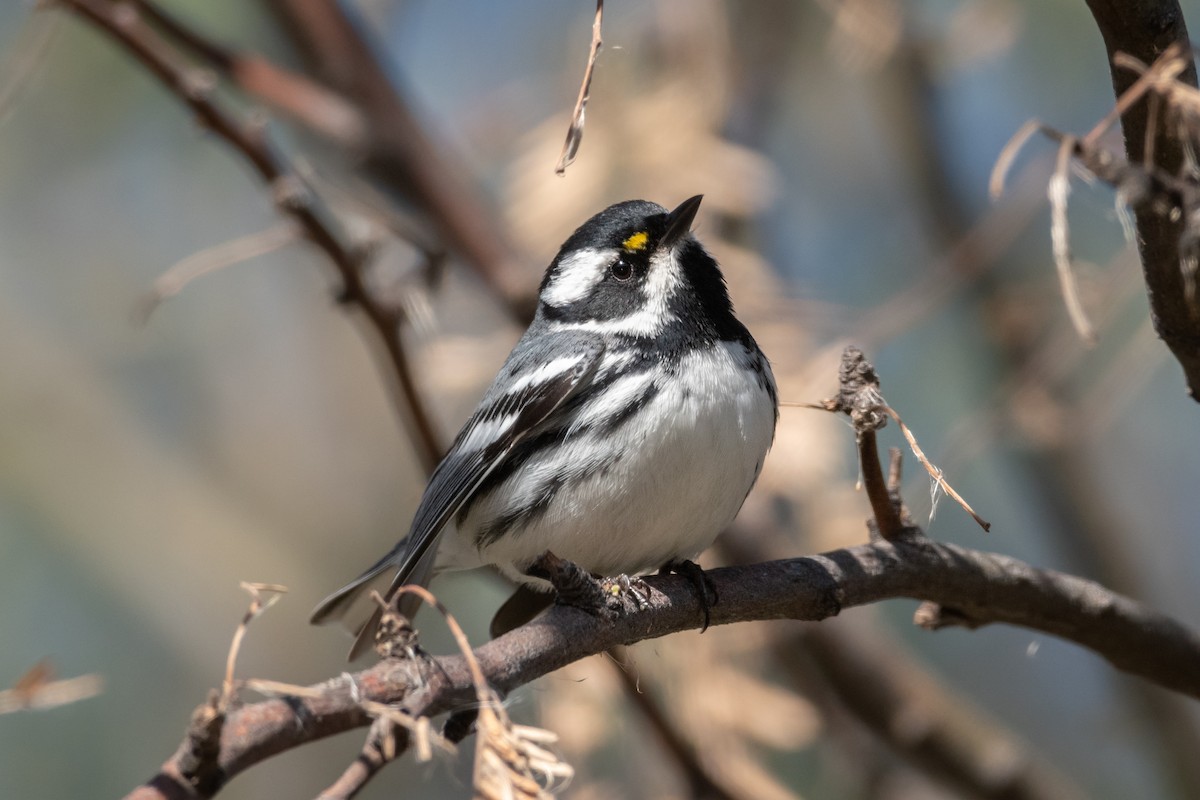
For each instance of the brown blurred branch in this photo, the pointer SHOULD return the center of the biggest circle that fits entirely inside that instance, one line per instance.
(1056, 469)
(397, 150)
(702, 785)
(982, 587)
(315, 106)
(853, 672)
(919, 719)
(1145, 29)
(290, 192)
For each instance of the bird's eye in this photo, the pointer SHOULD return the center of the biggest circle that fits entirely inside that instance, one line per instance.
(621, 269)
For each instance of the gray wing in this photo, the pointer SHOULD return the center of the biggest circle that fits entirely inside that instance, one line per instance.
(522, 401)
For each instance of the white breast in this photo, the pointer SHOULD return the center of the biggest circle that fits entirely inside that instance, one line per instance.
(658, 489)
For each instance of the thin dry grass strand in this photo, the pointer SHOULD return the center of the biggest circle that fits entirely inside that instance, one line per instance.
(935, 472)
(258, 604)
(212, 259)
(37, 689)
(1057, 191)
(510, 761)
(575, 131)
(1008, 155)
(1128, 98)
(1161, 77)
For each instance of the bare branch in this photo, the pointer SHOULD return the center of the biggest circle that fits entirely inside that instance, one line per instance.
(924, 721)
(860, 398)
(1145, 30)
(295, 95)
(212, 259)
(985, 587)
(399, 152)
(258, 604)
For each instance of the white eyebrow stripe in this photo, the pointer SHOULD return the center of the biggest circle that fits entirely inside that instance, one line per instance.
(576, 276)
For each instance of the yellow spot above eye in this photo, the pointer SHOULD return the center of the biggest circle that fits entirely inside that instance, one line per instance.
(636, 242)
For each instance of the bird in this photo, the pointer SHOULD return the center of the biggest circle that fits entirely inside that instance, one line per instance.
(623, 433)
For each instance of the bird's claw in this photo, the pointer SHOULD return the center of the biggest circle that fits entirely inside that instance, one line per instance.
(706, 590)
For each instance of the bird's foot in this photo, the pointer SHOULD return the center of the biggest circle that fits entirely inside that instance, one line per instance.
(605, 597)
(622, 589)
(706, 590)
(573, 585)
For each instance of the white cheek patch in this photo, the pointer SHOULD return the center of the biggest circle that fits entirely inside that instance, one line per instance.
(576, 276)
(663, 280)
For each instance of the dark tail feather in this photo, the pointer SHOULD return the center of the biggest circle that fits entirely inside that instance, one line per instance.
(364, 637)
(420, 574)
(336, 604)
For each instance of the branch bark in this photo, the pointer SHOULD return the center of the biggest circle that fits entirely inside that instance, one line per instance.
(1144, 29)
(982, 587)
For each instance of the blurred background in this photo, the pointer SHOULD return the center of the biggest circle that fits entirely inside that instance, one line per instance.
(247, 431)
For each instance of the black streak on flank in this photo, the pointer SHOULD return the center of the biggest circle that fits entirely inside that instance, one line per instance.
(523, 515)
(626, 412)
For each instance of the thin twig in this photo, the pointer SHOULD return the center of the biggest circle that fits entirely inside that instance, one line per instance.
(212, 259)
(887, 516)
(409, 160)
(575, 130)
(1008, 154)
(257, 606)
(295, 95)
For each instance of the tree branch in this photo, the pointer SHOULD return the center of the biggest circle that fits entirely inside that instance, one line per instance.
(983, 588)
(1145, 29)
(290, 192)
(398, 151)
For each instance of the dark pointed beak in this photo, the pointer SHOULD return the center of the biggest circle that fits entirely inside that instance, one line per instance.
(679, 221)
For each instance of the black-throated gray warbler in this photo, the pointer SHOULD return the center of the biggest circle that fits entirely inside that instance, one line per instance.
(623, 432)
